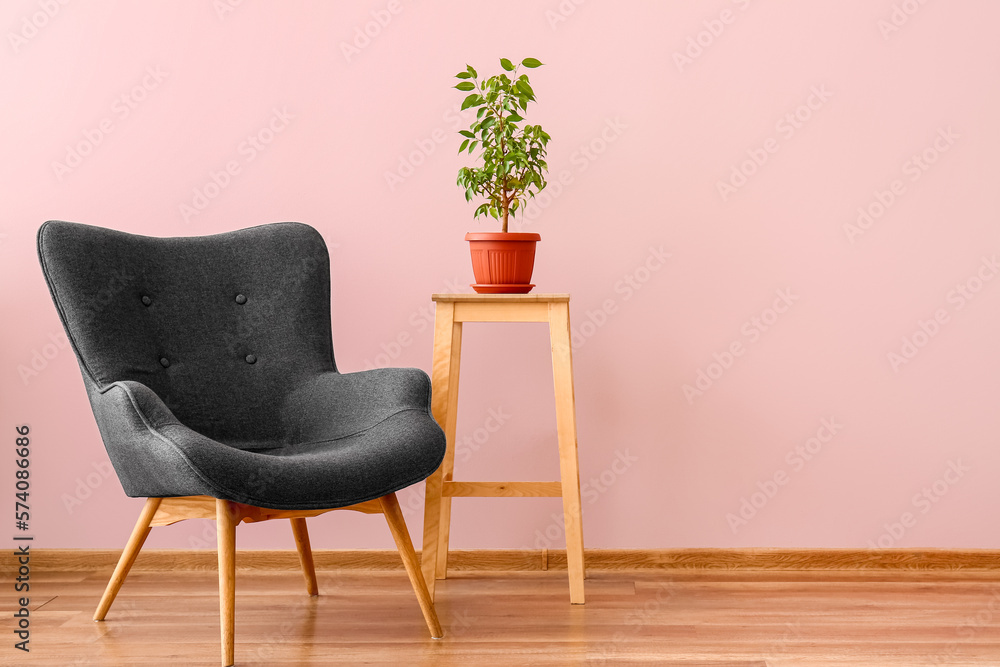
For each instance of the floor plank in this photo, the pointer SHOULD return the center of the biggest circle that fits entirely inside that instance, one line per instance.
(691, 619)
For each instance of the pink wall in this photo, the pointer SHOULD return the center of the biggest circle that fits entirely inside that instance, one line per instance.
(713, 157)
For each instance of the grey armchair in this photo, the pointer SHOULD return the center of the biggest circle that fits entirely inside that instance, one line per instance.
(209, 365)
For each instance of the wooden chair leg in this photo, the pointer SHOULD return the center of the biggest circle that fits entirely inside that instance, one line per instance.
(397, 525)
(301, 534)
(132, 547)
(226, 518)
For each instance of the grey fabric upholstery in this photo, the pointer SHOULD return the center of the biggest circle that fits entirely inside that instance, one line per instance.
(209, 365)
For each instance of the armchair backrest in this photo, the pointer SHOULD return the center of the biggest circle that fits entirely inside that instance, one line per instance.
(219, 327)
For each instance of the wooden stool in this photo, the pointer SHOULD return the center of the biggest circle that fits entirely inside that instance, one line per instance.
(452, 311)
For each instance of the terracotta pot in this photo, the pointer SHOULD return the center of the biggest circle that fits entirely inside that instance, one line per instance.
(502, 263)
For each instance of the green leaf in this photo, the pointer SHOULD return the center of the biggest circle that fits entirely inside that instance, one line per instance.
(463, 146)
(507, 65)
(472, 71)
(473, 145)
(514, 118)
(466, 133)
(466, 86)
(463, 75)
(524, 87)
(532, 62)
(471, 101)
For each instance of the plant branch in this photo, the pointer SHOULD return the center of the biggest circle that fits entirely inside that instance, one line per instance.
(502, 179)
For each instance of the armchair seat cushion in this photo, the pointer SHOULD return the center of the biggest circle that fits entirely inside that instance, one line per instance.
(389, 455)
(351, 437)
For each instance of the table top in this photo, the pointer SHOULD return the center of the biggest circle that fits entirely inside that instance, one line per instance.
(502, 298)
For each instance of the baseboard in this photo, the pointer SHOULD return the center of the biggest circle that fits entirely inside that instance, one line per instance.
(773, 560)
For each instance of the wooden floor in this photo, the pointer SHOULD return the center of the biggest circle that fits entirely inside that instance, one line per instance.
(695, 619)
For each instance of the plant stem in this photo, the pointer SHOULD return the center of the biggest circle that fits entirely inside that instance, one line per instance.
(503, 154)
(506, 208)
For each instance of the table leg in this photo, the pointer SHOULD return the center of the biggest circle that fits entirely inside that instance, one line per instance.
(444, 405)
(569, 466)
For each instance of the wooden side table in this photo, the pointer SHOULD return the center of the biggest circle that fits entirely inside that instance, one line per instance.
(452, 311)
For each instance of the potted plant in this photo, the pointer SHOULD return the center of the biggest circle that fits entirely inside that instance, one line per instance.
(511, 169)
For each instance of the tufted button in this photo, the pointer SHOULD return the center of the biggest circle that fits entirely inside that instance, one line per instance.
(251, 359)
(164, 362)
(146, 301)
(240, 299)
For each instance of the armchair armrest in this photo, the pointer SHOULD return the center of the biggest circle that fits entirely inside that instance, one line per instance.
(131, 419)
